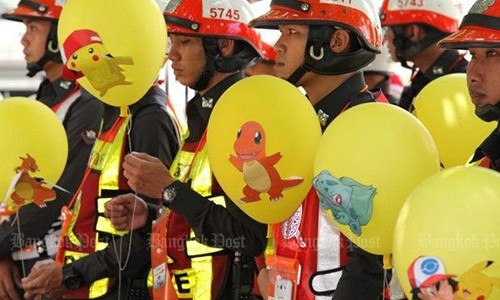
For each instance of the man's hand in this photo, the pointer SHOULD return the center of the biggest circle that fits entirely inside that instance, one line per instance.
(46, 278)
(9, 278)
(126, 212)
(263, 283)
(146, 174)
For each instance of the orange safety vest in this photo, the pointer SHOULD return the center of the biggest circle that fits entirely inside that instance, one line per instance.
(300, 237)
(196, 271)
(89, 231)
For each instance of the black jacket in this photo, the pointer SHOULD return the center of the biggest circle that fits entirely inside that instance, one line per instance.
(490, 148)
(451, 61)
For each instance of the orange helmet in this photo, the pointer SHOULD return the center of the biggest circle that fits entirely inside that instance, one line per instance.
(40, 9)
(479, 28)
(323, 18)
(212, 18)
(358, 16)
(440, 14)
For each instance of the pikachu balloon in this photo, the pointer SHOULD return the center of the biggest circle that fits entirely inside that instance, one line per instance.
(114, 48)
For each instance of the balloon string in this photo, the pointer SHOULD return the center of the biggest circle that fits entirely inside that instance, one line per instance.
(387, 265)
(20, 243)
(387, 261)
(118, 252)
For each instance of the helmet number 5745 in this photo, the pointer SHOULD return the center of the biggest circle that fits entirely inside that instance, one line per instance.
(224, 13)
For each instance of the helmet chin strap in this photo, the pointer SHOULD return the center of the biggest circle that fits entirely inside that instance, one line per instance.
(406, 48)
(51, 53)
(211, 53)
(215, 61)
(297, 74)
(320, 59)
(488, 113)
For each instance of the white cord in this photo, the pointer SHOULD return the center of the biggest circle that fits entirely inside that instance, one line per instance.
(129, 250)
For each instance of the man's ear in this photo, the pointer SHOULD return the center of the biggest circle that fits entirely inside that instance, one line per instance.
(414, 32)
(340, 41)
(226, 47)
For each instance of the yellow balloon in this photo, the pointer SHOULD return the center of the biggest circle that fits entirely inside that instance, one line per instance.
(34, 141)
(368, 160)
(117, 46)
(261, 141)
(448, 228)
(445, 108)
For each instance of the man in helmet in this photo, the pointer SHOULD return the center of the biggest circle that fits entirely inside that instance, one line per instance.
(322, 48)
(413, 29)
(211, 241)
(80, 114)
(479, 33)
(264, 65)
(380, 74)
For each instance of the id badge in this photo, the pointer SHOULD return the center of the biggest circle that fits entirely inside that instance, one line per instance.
(162, 284)
(284, 276)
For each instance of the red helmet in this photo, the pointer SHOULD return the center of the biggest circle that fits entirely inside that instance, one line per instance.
(479, 28)
(212, 18)
(40, 9)
(358, 16)
(440, 14)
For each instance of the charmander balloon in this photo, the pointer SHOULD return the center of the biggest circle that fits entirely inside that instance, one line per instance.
(34, 153)
(261, 140)
(114, 49)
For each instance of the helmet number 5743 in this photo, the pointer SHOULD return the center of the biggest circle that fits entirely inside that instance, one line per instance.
(406, 3)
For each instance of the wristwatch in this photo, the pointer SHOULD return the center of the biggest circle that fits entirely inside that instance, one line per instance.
(71, 279)
(169, 192)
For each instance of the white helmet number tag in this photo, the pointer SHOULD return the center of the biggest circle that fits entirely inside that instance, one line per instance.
(222, 10)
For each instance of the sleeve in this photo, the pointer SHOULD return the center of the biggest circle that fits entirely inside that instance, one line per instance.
(217, 226)
(82, 124)
(152, 133)
(362, 278)
(155, 134)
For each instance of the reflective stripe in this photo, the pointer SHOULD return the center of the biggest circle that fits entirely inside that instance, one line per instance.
(198, 168)
(106, 159)
(196, 249)
(195, 282)
(62, 109)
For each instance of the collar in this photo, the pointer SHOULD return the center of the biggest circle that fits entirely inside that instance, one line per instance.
(51, 93)
(154, 96)
(490, 147)
(205, 104)
(339, 99)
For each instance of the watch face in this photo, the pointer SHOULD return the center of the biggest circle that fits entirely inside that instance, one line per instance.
(71, 279)
(73, 282)
(169, 194)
